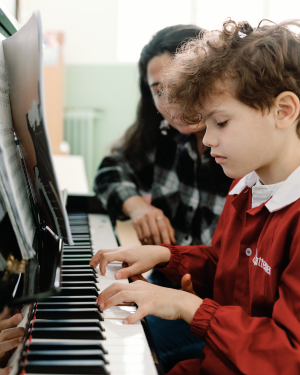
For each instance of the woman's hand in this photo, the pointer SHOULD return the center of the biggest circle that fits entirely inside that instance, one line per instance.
(150, 223)
(138, 258)
(8, 321)
(151, 299)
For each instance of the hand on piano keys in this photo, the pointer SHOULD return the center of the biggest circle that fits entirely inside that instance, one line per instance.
(151, 299)
(10, 336)
(140, 259)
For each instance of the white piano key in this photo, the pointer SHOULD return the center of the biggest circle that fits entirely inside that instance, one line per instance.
(102, 234)
(131, 368)
(106, 283)
(110, 270)
(115, 329)
(118, 312)
(121, 350)
(129, 358)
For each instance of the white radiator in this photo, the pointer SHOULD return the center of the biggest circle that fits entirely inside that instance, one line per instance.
(80, 128)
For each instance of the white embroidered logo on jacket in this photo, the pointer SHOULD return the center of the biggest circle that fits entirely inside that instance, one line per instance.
(261, 263)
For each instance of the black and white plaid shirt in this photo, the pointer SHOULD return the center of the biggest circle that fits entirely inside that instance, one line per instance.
(190, 191)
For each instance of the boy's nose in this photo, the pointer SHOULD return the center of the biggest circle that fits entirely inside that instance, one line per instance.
(209, 140)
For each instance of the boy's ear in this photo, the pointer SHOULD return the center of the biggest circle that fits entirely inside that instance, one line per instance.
(287, 108)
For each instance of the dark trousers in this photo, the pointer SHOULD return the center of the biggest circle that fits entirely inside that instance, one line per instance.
(172, 339)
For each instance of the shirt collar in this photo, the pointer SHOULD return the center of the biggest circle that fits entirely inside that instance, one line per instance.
(288, 193)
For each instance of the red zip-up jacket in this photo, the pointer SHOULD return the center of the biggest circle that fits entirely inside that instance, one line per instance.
(252, 325)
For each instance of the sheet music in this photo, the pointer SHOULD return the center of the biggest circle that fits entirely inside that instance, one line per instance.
(23, 56)
(13, 185)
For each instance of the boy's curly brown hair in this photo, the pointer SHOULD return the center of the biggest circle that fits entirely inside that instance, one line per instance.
(255, 65)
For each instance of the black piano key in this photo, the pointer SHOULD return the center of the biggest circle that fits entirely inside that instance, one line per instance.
(65, 367)
(67, 305)
(79, 261)
(77, 298)
(78, 252)
(79, 255)
(75, 291)
(38, 344)
(78, 272)
(81, 244)
(79, 284)
(32, 355)
(40, 323)
(68, 333)
(80, 230)
(91, 313)
(77, 266)
(78, 247)
(79, 277)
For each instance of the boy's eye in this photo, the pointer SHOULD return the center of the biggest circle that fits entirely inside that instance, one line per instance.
(222, 124)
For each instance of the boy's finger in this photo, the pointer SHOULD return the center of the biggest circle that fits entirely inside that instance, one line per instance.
(138, 278)
(110, 291)
(186, 284)
(138, 315)
(123, 296)
(111, 257)
(124, 273)
(97, 257)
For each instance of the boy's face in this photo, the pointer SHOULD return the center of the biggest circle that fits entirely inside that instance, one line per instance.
(241, 138)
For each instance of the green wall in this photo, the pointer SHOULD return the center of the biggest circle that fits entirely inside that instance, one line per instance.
(113, 89)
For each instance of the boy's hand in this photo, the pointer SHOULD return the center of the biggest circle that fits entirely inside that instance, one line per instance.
(186, 284)
(139, 259)
(151, 299)
(138, 278)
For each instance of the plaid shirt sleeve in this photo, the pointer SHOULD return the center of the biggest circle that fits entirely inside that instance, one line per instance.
(190, 195)
(115, 182)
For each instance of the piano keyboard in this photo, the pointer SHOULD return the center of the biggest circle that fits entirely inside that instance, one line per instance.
(68, 334)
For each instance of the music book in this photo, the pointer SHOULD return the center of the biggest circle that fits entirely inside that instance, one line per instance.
(29, 191)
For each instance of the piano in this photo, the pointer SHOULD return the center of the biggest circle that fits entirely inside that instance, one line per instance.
(65, 330)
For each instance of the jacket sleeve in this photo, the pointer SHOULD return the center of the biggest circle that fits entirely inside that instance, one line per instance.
(199, 261)
(257, 345)
(115, 182)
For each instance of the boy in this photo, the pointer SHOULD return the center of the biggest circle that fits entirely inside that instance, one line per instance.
(245, 84)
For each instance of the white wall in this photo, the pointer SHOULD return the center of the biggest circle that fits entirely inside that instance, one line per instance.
(114, 31)
(89, 27)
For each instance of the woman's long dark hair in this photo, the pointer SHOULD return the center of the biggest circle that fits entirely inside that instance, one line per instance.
(140, 138)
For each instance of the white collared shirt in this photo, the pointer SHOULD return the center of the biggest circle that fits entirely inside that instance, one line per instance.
(282, 193)
(261, 193)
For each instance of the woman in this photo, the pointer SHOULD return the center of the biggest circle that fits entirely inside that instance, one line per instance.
(171, 188)
(164, 160)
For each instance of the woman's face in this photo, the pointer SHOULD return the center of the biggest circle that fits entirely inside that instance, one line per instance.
(154, 69)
